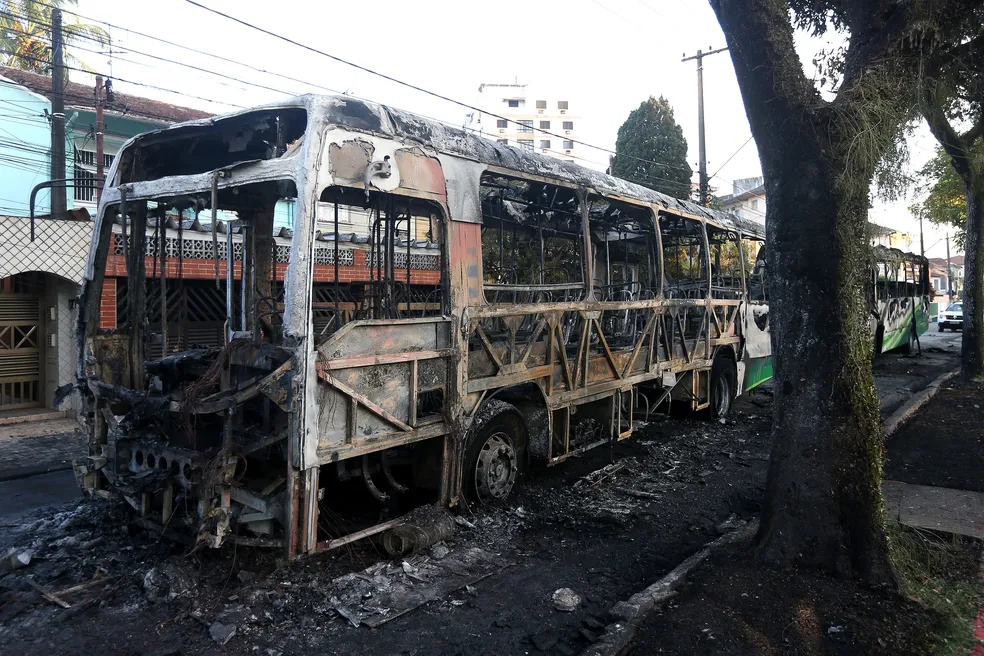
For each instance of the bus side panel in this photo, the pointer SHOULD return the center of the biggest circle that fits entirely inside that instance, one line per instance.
(371, 375)
(758, 345)
(897, 318)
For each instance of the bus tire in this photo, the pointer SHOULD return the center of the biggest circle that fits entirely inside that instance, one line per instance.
(494, 453)
(910, 345)
(724, 383)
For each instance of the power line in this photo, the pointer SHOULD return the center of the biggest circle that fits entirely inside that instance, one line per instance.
(87, 100)
(195, 50)
(145, 54)
(119, 79)
(408, 84)
(562, 137)
(714, 175)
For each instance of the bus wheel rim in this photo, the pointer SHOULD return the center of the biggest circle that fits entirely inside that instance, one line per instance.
(721, 394)
(496, 468)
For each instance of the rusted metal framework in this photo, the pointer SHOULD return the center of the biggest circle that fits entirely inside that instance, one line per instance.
(358, 378)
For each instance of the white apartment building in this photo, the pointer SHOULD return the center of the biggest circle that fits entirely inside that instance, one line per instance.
(525, 114)
(747, 199)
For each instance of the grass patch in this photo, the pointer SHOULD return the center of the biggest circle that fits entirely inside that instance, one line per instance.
(942, 574)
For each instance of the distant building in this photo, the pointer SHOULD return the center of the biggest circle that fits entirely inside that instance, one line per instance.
(944, 282)
(747, 199)
(524, 112)
(889, 237)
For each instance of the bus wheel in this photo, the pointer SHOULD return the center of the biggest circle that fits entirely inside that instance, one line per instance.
(724, 381)
(494, 452)
(910, 345)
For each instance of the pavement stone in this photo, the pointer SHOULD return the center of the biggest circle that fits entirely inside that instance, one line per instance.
(39, 447)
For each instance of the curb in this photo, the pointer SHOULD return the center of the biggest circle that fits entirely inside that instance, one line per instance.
(627, 615)
(915, 402)
(38, 416)
(28, 472)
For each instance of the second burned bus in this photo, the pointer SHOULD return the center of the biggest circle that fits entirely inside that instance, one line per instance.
(440, 312)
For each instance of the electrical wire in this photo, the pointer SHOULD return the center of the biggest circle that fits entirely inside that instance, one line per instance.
(119, 79)
(194, 50)
(208, 71)
(408, 84)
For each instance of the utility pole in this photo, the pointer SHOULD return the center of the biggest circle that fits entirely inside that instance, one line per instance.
(99, 138)
(702, 151)
(59, 204)
(922, 244)
(949, 272)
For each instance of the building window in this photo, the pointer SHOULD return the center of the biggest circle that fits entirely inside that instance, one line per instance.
(541, 104)
(755, 203)
(526, 126)
(568, 125)
(85, 171)
(545, 144)
(513, 103)
(568, 145)
(544, 125)
(562, 104)
(526, 144)
(501, 123)
(503, 141)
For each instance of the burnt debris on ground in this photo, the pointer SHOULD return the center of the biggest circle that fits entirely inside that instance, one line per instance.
(602, 527)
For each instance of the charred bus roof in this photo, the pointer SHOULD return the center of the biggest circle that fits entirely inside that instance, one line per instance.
(266, 132)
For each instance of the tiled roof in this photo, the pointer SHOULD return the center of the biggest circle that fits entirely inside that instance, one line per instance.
(81, 96)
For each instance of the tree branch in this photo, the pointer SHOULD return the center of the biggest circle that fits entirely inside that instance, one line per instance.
(952, 143)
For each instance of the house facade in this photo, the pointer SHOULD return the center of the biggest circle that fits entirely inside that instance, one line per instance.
(42, 267)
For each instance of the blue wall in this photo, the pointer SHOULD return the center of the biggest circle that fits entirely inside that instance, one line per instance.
(25, 141)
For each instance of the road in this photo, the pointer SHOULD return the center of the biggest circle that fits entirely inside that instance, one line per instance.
(897, 377)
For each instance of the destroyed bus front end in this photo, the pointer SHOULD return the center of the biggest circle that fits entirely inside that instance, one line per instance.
(194, 389)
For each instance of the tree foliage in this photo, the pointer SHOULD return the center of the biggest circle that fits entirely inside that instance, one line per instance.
(25, 34)
(945, 201)
(652, 151)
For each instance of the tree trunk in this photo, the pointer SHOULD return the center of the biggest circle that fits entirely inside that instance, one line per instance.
(972, 344)
(823, 505)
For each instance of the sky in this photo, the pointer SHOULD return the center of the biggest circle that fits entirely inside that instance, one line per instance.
(607, 56)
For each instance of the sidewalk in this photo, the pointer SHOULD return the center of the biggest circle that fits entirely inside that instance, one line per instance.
(29, 449)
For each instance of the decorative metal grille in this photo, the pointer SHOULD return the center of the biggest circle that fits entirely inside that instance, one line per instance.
(417, 262)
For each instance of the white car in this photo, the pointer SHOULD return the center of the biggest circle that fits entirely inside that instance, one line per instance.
(951, 317)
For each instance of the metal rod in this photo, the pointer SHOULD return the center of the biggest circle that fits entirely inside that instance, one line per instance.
(229, 273)
(242, 282)
(338, 314)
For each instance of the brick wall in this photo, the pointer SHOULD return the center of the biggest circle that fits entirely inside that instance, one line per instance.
(205, 270)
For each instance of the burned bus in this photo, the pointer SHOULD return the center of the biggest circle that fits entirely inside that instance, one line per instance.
(898, 294)
(302, 320)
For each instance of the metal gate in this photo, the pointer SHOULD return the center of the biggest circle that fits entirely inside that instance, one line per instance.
(20, 351)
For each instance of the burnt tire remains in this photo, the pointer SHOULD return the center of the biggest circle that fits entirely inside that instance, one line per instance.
(494, 452)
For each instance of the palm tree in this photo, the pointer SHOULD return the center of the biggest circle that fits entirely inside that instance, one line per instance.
(25, 34)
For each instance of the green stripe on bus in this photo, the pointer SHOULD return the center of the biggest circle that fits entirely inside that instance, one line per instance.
(757, 372)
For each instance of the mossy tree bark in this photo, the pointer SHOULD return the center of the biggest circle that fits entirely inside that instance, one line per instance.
(824, 506)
